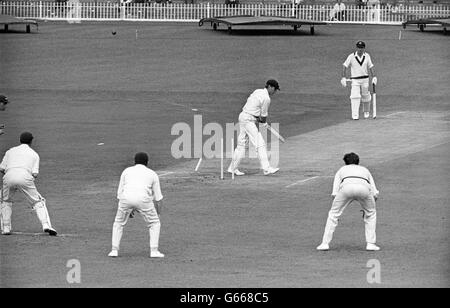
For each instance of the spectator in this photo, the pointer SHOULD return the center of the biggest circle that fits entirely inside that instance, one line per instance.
(338, 11)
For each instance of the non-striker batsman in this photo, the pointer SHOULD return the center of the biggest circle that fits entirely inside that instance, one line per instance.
(360, 64)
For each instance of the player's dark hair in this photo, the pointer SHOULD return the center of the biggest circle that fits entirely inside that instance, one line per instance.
(26, 138)
(141, 158)
(351, 159)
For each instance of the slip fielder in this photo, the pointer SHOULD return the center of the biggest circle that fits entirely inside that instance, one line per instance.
(360, 64)
(352, 183)
(256, 109)
(139, 191)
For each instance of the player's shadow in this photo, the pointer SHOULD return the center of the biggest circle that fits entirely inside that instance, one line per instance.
(14, 31)
(267, 32)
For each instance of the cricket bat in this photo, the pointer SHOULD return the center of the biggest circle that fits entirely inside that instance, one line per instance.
(374, 101)
(275, 133)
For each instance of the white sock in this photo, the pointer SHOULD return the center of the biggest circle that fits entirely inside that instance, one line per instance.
(238, 155)
(154, 231)
(355, 102)
(6, 212)
(42, 214)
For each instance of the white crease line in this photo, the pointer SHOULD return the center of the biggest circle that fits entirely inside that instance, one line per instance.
(308, 179)
(389, 115)
(164, 174)
(45, 234)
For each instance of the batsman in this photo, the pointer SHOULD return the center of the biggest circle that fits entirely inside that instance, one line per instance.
(360, 64)
(256, 109)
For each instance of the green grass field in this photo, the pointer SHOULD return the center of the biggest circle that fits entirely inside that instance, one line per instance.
(75, 86)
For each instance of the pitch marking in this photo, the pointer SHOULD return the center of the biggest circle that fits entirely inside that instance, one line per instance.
(45, 234)
(307, 180)
(389, 115)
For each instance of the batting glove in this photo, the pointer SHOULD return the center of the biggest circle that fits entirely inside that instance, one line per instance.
(344, 82)
(374, 80)
(265, 125)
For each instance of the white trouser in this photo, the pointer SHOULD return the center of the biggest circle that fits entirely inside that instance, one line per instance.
(20, 179)
(360, 93)
(348, 193)
(249, 132)
(147, 211)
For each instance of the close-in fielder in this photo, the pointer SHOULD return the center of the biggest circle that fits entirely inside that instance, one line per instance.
(20, 167)
(353, 183)
(360, 64)
(255, 110)
(139, 191)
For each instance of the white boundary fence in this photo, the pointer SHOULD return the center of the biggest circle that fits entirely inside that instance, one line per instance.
(76, 11)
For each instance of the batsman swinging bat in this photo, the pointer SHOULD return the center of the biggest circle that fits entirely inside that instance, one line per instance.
(374, 101)
(277, 134)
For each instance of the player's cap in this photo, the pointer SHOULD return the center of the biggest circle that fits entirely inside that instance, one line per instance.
(3, 99)
(273, 83)
(26, 137)
(361, 44)
(141, 158)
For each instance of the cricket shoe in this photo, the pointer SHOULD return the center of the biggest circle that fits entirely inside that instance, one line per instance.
(323, 247)
(236, 171)
(156, 254)
(50, 231)
(372, 247)
(366, 115)
(271, 170)
(6, 231)
(113, 254)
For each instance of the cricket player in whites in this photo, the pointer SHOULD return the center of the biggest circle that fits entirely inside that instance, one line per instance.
(352, 183)
(360, 64)
(139, 191)
(20, 167)
(255, 110)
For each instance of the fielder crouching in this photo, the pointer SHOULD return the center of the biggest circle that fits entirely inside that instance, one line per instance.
(20, 166)
(139, 190)
(353, 183)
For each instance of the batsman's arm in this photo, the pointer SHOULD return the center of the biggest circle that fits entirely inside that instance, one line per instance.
(344, 71)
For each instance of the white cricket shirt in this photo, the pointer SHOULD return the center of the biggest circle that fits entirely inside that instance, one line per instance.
(358, 66)
(22, 157)
(258, 103)
(139, 184)
(355, 174)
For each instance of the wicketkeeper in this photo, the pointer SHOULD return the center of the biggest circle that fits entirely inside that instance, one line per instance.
(360, 65)
(20, 166)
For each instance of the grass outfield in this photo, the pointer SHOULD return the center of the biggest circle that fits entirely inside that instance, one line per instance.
(75, 86)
